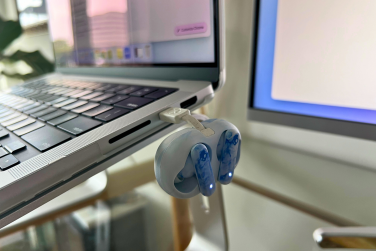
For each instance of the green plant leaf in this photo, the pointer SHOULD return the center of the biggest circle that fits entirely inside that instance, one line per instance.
(19, 76)
(35, 60)
(9, 31)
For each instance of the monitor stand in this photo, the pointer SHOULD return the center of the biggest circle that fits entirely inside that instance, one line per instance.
(210, 231)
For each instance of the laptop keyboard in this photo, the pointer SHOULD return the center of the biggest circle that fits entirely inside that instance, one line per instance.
(40, 115)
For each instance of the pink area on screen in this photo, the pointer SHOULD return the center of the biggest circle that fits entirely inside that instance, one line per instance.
(190, 29)
(59, 13)
(100, 7)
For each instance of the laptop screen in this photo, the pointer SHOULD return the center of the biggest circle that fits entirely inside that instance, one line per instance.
(104, 33)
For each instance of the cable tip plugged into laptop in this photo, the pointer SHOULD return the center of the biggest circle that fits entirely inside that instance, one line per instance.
(174, 115)
(177, 115)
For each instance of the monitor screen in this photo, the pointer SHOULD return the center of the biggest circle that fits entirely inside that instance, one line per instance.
(132, 32)
(316, 58)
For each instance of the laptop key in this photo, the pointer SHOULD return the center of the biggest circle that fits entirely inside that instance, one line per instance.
(92, 95)
(62, 119)
(3, 109)
(57, 100)
(3, 152)
(117, 88)
(15, 120)
(30, 107)
(43, 97)
(85, 108)
(143, 92)
(31, 94)
(6, 100)
(130, 90)
(46, 138)
(160, 93)
(74, 105)
(36, 95)
(43, 112)
(36, 109)
(21, 124)
(3, 134)
(105, 87)
(15, 146)
(52, 115)
(114, 99)
(93, 86)
(97, 110)
(102, 97)
(112, 114)
(19, 107)
(29, 128)
(18, 102)
(55, 90)
(73, 92)
(66, 102)
(52, 98)
(63, 91)
(134, 103)
(10, 103)
(8, 161)
(79, 125)
(7, 113)
(81, 94)
(9, 117)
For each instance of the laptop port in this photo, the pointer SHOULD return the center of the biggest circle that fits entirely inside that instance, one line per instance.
(130, 131)
(188, 103)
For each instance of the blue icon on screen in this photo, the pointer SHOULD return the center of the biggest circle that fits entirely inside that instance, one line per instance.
(127, 53)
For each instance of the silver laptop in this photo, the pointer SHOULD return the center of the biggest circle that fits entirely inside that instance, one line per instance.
(119, 64)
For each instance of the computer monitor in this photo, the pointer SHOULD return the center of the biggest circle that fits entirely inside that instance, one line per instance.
(314, 65)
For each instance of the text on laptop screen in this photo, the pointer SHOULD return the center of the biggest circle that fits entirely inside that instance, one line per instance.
(124, 32)
(316, 58)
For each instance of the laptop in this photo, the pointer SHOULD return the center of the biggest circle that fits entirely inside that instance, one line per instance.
(118, 64)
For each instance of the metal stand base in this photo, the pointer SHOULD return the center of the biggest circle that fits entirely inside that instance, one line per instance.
(209, 220)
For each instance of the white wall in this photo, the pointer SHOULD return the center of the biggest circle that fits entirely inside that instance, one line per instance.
(8, 10)
(232, 101)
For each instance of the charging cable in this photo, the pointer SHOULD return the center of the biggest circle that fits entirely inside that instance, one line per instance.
(177, 115)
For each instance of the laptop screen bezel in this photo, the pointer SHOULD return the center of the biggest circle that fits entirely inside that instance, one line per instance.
(171, 72)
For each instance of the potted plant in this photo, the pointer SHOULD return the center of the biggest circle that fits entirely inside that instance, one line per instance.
(10, 31)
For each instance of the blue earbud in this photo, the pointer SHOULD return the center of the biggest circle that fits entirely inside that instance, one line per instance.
(227, 151)
(204, 172)
(228, 148)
